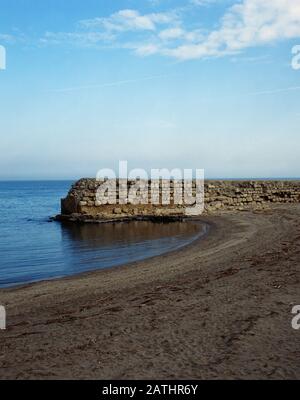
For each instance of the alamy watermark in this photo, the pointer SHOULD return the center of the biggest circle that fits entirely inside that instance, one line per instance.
(296, 318)
(296, 59)
(162, 187)
(2, 318)
(2, 57)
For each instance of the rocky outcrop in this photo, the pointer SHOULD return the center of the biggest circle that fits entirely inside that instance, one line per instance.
(81, 202)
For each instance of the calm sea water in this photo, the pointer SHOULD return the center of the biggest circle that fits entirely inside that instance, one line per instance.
(34, 249)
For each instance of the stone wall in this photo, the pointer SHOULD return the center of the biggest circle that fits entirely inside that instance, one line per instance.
(81, 200)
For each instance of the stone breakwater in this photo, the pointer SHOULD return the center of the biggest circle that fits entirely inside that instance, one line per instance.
(81, 202)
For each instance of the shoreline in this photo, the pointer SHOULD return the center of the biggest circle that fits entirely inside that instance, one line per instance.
(203, 231)
(218, 308)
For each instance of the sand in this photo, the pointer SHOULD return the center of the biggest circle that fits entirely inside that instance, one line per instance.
(219, 308)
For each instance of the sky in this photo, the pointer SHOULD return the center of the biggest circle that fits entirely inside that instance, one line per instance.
(211, 84)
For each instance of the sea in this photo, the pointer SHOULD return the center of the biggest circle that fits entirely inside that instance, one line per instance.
(32, 248)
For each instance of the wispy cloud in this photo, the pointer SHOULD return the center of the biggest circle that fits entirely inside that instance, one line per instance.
(246, 24)
(115, 29)
(85, 39)
(203, 2)
(129, 20)
(6, 38)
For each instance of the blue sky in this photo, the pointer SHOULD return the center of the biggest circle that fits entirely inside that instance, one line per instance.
(175, 84)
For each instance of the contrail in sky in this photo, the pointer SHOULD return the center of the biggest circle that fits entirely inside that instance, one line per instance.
(109, 84)
(290, 89)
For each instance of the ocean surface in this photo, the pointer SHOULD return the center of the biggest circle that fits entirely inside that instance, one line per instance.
(34, 249)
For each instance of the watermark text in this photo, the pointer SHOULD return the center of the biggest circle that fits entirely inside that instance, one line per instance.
(296, 58)
(163, 187)
(2, 57)
(296, 318)
(2, 318)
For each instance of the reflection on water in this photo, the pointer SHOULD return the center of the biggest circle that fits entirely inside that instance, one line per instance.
(126, 232)
(32, 249)
(96, 246)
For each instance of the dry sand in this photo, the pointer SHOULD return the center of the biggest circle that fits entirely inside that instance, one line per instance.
(218, 308)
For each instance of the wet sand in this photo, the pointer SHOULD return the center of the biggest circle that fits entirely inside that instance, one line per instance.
(219, 308)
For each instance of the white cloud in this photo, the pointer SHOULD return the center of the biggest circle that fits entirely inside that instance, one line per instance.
(177, 33)
(129, 20)
(171, 33)
(111, 29)
(145, 50)
(246, 24)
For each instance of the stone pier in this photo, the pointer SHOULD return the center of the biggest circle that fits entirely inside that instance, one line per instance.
(82, 203)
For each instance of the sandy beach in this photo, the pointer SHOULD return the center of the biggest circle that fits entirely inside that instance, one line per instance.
(220, 308)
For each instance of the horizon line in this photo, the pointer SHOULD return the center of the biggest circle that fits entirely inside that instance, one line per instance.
(247, 178)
